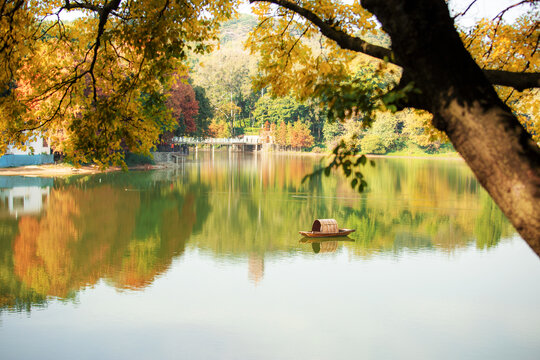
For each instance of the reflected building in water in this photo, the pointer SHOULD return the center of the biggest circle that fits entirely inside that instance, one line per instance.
(256, 267)
(23, 196)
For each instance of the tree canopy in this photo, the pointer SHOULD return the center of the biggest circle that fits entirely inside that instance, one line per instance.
(95, 84)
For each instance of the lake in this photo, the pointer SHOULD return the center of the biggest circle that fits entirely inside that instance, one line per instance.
(204, 261)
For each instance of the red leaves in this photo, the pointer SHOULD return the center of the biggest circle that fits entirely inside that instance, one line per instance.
(183, 105)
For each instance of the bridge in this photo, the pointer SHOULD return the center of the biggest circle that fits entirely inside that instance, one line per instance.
(248, 142)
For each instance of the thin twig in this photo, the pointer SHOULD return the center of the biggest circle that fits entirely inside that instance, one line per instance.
(466, 10)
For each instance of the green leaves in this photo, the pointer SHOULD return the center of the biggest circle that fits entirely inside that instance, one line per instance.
(353, 98)
(397, 98)
(347, 159)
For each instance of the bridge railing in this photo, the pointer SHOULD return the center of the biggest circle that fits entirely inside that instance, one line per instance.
(249, 139)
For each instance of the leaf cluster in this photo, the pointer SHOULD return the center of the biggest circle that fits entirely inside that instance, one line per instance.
(346, 158)
(96, 86)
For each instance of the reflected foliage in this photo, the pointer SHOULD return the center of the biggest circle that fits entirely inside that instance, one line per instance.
(409, 204)
(125, 229)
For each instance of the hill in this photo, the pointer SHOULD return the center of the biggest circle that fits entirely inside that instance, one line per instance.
(237, 29)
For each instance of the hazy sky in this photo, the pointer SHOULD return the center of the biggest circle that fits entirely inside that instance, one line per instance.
(485, 9)
(482, 8)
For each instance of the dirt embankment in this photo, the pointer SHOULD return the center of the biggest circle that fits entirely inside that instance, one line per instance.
(57, 170)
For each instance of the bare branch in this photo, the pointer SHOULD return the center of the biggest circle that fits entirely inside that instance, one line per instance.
(75, 5)
(501, 14)
(294, 45)
(499, 18)
(466, 10)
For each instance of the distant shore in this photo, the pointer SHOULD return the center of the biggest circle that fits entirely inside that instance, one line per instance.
(63, 170)
(442, 156)
(450, 156)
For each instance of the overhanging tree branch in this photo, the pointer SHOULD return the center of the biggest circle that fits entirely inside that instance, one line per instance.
(103, 12)
(518, 80)
(466, 10)
(68, 5)
(343, 39)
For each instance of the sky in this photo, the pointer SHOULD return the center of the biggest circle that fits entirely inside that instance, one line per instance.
(482, 8)
(485, 9)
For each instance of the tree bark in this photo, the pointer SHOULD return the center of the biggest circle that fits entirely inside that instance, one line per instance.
(502, 155)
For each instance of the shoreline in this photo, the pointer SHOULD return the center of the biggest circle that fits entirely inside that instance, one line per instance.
(65, 170)
(450, 156)
(455, 156)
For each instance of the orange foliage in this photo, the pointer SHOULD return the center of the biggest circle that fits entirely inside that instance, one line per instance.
(300, 136)
(85, 236)
(76, 242)
(183, 105)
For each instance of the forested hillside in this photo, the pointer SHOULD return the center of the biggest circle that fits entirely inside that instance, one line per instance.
(231, 105)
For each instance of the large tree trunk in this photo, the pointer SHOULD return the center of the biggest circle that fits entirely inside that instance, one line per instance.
(465, 106)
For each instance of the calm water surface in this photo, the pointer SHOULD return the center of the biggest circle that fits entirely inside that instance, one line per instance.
(205, 262)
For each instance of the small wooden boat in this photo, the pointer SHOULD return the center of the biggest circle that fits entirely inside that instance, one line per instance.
(318, 234)
(325, 228)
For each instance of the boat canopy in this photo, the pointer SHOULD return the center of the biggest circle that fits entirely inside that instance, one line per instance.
(325, 226)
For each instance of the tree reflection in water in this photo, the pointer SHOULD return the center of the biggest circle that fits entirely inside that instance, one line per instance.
(93, 230)
(127, 228)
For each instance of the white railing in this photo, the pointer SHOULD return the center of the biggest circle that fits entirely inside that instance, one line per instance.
(248, 139)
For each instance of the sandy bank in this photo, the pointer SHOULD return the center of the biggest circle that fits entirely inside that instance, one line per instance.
(61, 170)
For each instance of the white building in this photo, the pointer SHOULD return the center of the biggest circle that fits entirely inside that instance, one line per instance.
(27, 200)
(37, 152)
(39, 146)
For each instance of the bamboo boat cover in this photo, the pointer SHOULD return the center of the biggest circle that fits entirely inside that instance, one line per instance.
(325, 226)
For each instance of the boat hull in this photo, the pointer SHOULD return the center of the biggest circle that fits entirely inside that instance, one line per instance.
(318, 234)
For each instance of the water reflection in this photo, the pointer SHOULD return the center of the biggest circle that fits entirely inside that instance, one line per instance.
(256, 267)
(329, 245)
(127, 228)
(23, 196)
(91, 229)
